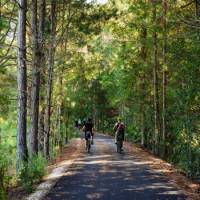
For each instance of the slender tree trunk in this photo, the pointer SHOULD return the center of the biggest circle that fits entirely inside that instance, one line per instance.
(0, 14)
(164, 106)
(197, 14)
(41, 131)
(155, 82)
(22, 152)
(60, 109)
(60, 124)
(197, 3)
(65, 29)
(49, 80)
(142, 110)
(35, 82)
(94, 112)
(142, 106)
(61, 100)
(41, 25)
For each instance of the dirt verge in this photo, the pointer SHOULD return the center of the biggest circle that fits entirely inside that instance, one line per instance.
(189, 187)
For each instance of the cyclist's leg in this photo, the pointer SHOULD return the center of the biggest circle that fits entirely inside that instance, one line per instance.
(118, 146)
(116, 137)
(92, 138)
(86, 143)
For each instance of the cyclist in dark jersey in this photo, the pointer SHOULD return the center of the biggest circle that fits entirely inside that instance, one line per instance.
(88, 129)
(89, 126)
(119, 129)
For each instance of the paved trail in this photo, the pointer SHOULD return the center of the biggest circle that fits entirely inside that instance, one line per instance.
(106, 175)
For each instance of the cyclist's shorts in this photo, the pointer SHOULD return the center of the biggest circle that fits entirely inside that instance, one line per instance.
(88, 135)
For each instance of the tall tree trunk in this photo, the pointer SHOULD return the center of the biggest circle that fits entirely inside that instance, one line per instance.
(142, 110)
(155, 82)
(197, 9)
(65, 29)
(60, 124)
(61, 100)
(142, 104)
(41, 131)
(60, 109)
(0, 13)
(164, 106)
(41, 25)
(49, 80)
(197, 14)
(22, 152)
(35, 83)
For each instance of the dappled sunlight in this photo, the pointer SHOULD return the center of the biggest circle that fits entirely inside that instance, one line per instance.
(104, 174)
(60, 174)
(162, 170)
(158, 186)
(113, 162)
(94, 195)
(128, 178)
(89, 186)
(170, 193)
(107, 169)
(100, 156)
(101, 176)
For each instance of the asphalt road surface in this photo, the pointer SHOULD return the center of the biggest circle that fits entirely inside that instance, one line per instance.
(107, 175)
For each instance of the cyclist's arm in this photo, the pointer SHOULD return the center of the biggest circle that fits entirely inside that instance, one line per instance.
(115, 127)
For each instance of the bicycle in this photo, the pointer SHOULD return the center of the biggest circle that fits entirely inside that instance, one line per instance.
(119, 146)
(119, 138)
(88, 141)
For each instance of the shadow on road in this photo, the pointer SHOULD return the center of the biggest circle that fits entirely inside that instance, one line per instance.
(106, 175)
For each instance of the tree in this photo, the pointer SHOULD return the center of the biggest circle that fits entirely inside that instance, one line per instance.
(35, 82)
(42, 67)
(51, 52)
(164, 81)
(155, 80)
(22, 153)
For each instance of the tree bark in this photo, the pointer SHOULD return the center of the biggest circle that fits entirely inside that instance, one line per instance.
(155, 82)
(142, 106)
(164, 106)
(35, 83)
(41, 132)
(65, 29)
(41, 26)
(197, 9)
(49, 80)
(22, 152)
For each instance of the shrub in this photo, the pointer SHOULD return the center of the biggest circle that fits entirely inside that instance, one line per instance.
(4, 178)
(32, 172)
(3, 194)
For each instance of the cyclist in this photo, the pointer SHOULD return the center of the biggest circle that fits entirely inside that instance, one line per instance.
(88, 129)
(119, 129)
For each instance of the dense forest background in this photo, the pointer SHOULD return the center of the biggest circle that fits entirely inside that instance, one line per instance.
(66, 60)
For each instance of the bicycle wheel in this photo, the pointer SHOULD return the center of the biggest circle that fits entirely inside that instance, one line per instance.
(88, 146)
(119, 146)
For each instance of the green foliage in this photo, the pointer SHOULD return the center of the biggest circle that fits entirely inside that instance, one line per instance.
(4, 168)
(3, 177)
(32, 172)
